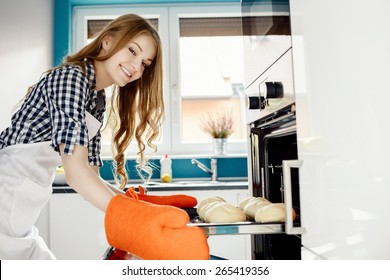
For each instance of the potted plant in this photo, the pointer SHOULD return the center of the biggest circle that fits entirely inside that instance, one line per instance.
(219, 126)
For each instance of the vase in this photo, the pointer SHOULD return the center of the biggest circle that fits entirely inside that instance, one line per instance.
(220, 146)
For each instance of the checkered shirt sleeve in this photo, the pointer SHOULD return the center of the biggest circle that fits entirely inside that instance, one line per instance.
(55, 111)
(66, 99)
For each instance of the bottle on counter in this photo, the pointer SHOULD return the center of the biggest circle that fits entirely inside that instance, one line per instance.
(166, 169)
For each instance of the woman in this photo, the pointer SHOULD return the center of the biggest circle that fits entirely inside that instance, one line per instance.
(59, 124)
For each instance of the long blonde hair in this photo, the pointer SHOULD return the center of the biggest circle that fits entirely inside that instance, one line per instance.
(139, 104)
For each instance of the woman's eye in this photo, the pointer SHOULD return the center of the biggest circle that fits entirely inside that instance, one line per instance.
(144, 65)
(132, 51)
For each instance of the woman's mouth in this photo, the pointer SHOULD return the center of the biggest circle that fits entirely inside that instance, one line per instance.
(127, 72)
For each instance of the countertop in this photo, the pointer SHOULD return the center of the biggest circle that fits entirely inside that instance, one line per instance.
(181, 185)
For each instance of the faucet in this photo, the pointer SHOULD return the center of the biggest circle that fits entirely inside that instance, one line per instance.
(212, 171)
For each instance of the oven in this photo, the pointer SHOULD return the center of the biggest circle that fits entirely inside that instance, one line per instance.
(275, 176)
(273, 170)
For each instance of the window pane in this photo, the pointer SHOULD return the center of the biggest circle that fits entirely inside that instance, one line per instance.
(94, 26)
(211, 74)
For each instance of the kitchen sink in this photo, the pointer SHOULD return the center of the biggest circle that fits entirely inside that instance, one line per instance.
(196, 182)
(190, 182)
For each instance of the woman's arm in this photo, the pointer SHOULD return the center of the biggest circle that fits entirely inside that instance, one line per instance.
(84, 179)
(113, 188)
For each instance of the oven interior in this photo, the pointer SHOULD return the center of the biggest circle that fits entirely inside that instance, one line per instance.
(273, 140)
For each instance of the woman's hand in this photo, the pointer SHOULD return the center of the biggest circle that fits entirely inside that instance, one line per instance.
(153, 232)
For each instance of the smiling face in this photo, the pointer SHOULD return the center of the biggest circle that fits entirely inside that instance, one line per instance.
(126, 65)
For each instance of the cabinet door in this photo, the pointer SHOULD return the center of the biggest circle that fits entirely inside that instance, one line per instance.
(344, 179)
(266, 35)
(239, 246)
(76, 228)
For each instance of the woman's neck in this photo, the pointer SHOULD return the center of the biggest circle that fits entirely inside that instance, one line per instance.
(101, 76)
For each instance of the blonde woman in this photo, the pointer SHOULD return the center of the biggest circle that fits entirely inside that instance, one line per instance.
(59, 123)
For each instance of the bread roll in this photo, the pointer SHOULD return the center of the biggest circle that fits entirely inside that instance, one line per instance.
(253, 206)
(274, 212)
(207, 201)
(245, 201)
(207, 206)
(248, 200)
(223, 212)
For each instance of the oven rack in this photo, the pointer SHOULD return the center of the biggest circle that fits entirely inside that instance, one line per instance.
(240, 228)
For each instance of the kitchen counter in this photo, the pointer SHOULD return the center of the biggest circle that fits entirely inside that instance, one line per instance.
(196, 185)
(180, 185)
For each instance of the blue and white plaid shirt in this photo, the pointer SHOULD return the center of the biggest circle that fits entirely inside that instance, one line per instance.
(55, 111)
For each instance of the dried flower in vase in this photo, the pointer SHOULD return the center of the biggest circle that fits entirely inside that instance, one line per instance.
(219, 125)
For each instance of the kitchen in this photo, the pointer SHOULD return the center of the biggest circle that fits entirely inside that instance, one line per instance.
(340, 68)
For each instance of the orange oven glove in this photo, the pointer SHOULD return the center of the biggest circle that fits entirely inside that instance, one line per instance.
(153, 232)
(178, 200)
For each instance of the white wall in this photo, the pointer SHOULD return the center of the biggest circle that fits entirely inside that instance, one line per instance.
(25, 49)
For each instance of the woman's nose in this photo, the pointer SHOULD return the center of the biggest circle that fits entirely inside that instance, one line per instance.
(135, 67)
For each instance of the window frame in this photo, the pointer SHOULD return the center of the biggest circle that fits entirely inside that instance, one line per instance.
(169, 30)
(175, 13)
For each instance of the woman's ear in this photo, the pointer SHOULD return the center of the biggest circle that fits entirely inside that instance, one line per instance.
(107, 42)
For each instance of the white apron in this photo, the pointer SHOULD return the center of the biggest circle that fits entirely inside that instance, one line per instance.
(26, 175)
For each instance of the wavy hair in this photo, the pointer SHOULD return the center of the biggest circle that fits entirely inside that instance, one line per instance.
(138, 106)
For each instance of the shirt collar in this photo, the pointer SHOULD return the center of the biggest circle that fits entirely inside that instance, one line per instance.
(90, 72)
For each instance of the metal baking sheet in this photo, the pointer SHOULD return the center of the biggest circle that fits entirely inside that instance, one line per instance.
(240, 228)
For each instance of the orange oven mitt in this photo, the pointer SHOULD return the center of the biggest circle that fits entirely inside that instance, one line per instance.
(153, 232)
(178, 200)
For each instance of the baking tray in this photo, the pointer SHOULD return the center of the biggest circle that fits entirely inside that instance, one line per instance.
(248, 227)
(251, 227)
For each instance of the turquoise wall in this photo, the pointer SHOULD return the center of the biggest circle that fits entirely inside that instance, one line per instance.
(183, 168)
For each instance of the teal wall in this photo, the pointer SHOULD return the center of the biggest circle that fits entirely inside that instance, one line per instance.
(183, 168)
(63, 19)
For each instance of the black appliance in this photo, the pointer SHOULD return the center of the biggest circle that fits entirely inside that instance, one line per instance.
(273, 140)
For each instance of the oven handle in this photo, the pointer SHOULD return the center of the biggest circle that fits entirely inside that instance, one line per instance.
(287, 165)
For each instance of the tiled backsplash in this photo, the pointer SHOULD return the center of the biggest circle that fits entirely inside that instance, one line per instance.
(182, 168)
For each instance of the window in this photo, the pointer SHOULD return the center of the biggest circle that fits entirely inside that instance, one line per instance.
(203, 64)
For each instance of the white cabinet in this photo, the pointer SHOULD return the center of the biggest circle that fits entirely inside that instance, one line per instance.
(76, 228)
(341, 73)
(233, 247)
